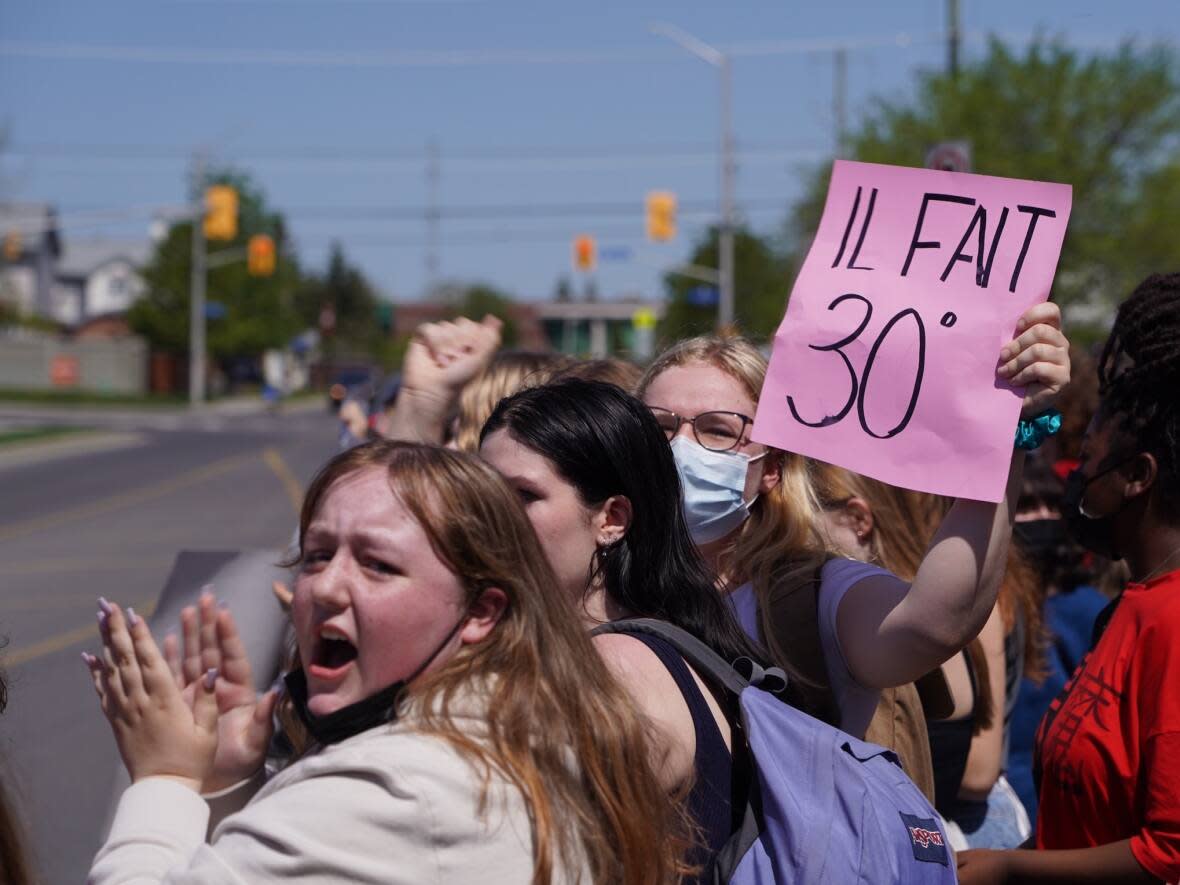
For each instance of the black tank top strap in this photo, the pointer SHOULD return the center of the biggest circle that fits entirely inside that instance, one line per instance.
(711, 800)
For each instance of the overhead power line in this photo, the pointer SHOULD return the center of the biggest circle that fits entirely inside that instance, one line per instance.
(398, 153)
(620, 235)
(82, 217)
(77, 159)
(438, 58)
(441, 58)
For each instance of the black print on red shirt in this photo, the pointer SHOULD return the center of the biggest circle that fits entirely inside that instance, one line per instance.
(1088, 696)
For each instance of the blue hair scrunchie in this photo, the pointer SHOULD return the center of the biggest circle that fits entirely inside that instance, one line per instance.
(1031, 432)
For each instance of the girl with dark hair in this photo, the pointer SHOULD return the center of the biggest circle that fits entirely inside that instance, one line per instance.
(600, 487)
(1106, 751)
(463, 728)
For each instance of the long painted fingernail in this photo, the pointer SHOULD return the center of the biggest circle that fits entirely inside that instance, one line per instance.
(208, 590)
(102, 620)
(87, 658)
(104, 606)
(132, 617)
(210, 678)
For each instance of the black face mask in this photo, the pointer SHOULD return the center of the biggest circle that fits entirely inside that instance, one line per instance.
(376, 709)
(1040, 539)
(1095, 533)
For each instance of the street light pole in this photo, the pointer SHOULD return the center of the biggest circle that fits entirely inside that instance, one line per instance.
(725, 262)
(196, 337)
(720, 61)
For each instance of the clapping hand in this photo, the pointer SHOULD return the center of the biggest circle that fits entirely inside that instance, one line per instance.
(159, 732)
(210, 641)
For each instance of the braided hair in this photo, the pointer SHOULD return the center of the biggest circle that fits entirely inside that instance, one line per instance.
(1139, 377)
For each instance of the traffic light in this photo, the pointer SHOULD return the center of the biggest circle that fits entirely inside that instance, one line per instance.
(221, 212)
(585, 252)
(260, 256)
(661, 215)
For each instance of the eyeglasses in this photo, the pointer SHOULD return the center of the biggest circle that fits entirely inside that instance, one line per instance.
(715, 431)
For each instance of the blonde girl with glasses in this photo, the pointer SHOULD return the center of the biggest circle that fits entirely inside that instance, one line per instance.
(755, 517)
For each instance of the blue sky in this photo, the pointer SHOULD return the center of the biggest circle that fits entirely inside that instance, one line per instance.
(331, 104)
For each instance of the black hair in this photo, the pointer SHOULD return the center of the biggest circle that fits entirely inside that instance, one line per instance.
(1139, 376)
(1061, 563)
(1039, 486)
(605, 442)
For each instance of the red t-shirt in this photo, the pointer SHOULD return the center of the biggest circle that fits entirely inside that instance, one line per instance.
(1108, 750)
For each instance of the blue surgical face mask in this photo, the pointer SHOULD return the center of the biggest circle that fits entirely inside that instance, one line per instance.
(712, 484)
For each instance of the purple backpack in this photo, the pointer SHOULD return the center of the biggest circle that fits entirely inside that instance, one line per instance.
(822, 807)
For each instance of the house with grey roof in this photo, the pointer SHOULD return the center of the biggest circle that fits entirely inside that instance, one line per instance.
(70, 282)
(97, 278)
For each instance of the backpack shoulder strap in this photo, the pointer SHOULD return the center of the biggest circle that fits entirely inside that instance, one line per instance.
(712, 667)
(790, 625)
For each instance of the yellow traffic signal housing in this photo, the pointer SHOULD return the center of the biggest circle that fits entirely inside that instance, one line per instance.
(260, 256)
(585, 252)
(661, 215)
(221, 212)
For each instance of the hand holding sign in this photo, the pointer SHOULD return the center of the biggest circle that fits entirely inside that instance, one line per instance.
(1037, 359)
(886, 361)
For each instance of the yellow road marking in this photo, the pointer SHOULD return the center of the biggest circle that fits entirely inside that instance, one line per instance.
(274, 460)
(126, 499)
(129, 499)
(65, 640)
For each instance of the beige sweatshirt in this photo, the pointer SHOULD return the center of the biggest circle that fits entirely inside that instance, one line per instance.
(387, 806)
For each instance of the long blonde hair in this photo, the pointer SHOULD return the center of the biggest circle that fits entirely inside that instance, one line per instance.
(508, 372)
(780, 548)
(559, 727)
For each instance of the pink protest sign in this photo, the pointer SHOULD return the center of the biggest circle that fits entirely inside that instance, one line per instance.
(885, 361)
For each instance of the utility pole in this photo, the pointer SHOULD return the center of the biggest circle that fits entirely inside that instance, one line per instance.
(725, 235)
(196, 337)
(720, 61)
(953, 35)
(432, 215)
(840, 97)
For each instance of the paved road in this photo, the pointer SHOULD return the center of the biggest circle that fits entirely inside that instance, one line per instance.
(109, 523)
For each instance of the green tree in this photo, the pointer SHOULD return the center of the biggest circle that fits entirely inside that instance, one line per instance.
(345, 288)
(1108, 124)
(257, 309)
(761, 285)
